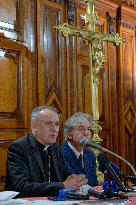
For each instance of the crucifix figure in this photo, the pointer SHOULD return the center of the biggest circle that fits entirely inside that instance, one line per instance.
(96, 57)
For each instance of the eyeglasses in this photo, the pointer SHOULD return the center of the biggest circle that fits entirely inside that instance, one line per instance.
(49, 124)
(83, 129)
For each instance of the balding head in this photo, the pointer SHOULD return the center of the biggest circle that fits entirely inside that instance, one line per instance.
(45, 124)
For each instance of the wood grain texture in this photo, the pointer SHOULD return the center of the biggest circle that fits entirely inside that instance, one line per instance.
(127, 94)
(39, 66)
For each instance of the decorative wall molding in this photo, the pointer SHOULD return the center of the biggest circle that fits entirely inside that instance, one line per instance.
(13, 84)
(127, 25)
(58, 1)
(111, 23)
(130, 118)
(71, 11)
(128, 2)
(126, 17)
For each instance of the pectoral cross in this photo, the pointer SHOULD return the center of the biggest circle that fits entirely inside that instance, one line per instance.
(96, 57)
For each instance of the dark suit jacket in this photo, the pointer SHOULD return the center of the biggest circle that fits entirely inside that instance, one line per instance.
(25, 171)
(75, 167)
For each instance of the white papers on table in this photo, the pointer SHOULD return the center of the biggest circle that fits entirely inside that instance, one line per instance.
(49, 202)
(6, 198)
(7, 195)
(13, 202)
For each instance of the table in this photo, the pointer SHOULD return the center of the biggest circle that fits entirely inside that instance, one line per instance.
(44, 201)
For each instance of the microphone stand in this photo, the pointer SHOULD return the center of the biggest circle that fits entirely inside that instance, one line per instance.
(87, 142)
(121, 158)
(109, 193)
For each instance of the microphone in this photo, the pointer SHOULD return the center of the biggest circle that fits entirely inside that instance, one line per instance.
(105, 162)
(99, 195)
(86, 189)
(122, 174)
(110, 183)
(116, 168)
(109, 193)
(86, 142)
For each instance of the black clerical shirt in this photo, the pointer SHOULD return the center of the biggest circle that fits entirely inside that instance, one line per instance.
(47, 162)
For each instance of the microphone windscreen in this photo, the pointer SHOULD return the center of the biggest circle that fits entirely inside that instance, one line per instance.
(84, 141)
(109, 183)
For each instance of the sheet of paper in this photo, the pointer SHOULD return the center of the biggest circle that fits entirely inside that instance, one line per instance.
(7, 195)
(49, 202)
(97, 202)
(13, 202)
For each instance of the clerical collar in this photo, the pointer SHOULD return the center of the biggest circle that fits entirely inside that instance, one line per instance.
(76, 152)
(44, 147)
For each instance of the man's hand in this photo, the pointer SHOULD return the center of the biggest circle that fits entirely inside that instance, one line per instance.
(75, 181)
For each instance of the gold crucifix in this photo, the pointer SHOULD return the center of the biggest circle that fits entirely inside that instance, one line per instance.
(96, 57)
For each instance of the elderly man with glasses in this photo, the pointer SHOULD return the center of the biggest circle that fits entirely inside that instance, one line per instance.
(79, 159)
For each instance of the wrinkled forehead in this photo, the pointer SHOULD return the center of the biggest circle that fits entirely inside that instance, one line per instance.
(81, 122)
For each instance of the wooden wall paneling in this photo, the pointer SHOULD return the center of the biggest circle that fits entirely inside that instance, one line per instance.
(80, 86)
(71, 76)
(12, 19)
(17, 63)
(30, 41)
(126, 62)
(3, 158)
(82, 44)
(127, 85)
(130, 3)
(106, 6)
(51, 56)
(13, 85)
(13, 96)
(110, 12)
(83, 79)
(101, 26)
(6, 138)
(108, 9)
(40, 58)
(113, 100)
(127, 94)
(127, 3)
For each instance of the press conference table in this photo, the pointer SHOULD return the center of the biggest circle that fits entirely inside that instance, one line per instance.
(92, 200)
(44, 201)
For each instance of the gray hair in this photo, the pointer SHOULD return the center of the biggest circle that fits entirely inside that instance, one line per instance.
(37, 110)
(75, 120)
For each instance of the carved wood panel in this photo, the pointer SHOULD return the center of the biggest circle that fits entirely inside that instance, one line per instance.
(6, 137)
(51, 73)
(127, 95)
(13, 85)
(13, 97)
